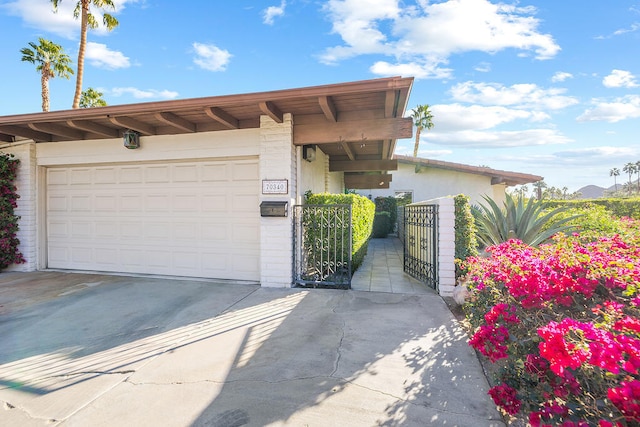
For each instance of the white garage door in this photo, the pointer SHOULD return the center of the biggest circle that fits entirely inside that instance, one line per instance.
(198, 219)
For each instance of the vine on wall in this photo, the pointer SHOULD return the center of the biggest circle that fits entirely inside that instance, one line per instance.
(9, 253)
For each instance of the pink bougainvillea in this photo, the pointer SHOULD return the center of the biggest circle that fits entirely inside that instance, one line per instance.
(581, 300)
(9, 253)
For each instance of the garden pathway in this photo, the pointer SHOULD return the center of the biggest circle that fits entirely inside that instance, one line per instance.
(382, 271)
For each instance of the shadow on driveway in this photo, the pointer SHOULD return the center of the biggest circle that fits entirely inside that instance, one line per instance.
(142, 351)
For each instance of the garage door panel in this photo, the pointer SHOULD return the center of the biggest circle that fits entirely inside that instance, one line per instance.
(196, 219)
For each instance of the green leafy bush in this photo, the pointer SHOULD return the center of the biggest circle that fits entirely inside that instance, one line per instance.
(590, 220)
(390, 206)
(9, 253)
(465, 232)
(618, 207)
(362, 216)
(381, 225)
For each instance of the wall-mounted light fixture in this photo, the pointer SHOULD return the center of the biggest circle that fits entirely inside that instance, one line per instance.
(131, 139)
(309, 152)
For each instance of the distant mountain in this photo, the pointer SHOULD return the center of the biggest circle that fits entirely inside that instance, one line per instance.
(595, 191)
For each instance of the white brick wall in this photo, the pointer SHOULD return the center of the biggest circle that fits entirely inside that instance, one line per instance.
(26, 185)
(278, 160)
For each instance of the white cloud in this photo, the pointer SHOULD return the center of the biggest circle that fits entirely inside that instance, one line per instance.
(483, 67)
(39, 14)
(521, 95)
(561, 76)
(430, 33)
(620, 78)
(144, 94)
(627, 107)
(457, 117)
(99, 55)
(417, 70)
(270, 13)
(595, 153)
(211, 57)
(501, 139)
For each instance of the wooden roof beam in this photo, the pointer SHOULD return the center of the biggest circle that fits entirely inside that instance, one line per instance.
(176, 121)
(57, 130)
(347, 149)
(93, 127)
(6, 138)
(362, 165)
(328, 108)
(221, 116)
(270, 109)
(391, 103)
(355, 182)
(133, 124)
(387, 152)
(357, 130)
(26, 133)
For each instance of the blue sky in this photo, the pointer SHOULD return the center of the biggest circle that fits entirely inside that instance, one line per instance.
(544, 87)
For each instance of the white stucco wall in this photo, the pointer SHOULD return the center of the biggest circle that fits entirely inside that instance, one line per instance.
(315, 176)
(432, 183)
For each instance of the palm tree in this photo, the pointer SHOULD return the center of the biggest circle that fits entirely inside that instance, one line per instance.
(92, 98)
(539, 186)
(638, 173)
(50, 61)
(614, 172)
(422, 119)
(630, 168)
(87, 20)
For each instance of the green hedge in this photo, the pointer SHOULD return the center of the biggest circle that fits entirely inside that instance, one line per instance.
(388, 205)
(382, 225)
(362, 215)
(465, 232)
(618, 207)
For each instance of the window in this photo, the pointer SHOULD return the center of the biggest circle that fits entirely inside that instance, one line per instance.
(404, 197)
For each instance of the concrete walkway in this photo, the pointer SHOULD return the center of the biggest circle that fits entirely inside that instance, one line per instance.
(382, 270)
(99, 350)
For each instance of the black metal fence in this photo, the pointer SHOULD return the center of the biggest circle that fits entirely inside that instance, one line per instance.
(419, 231)
(322, 246)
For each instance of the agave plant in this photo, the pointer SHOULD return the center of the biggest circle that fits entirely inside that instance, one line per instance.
(521, 219)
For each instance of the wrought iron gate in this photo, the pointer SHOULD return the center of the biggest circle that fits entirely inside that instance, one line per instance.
(322, 246)
(420, 242)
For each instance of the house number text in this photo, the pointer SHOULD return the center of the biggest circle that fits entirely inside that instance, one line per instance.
(275, 186)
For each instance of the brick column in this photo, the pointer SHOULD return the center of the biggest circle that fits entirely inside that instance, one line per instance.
(278, 161)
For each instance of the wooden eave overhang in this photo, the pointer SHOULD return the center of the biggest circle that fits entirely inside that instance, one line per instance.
(497, 176)
(356, 123)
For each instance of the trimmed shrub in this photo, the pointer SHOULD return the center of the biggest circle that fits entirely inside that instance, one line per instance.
(362, 215)
(388, 204)
(382, 225)
(465, 232)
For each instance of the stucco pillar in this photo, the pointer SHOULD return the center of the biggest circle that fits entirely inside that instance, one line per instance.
(26, 210)
(446, 244)
(278, 161)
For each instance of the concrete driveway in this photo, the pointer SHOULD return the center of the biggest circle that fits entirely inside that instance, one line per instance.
(98, 350)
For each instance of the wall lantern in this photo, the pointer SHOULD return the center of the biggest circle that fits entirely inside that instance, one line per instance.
(309, 152)
(131, 139)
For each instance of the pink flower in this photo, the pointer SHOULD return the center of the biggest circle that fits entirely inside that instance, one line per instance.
(506, 398)
(627, 399)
